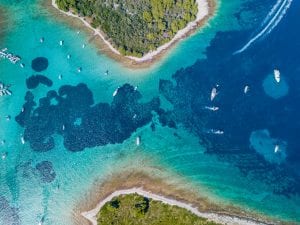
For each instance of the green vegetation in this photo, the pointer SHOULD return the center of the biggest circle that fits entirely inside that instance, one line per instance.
(133, 209)
(135, 27)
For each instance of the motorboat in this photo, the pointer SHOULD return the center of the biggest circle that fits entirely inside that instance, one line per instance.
(218, 132)
(116, 92)
(276, 149)
(61, 43)
(277, 75)
(4, 89)
(213, 94)
(212, 108)
(246, 89)
(138, 140)
(22, 140)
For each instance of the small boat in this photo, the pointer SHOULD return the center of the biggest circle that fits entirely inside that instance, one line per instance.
(246, 89)
(68, 56)
(79, 69)
(78, 32)
(41, 40)
(22, 140)
(212, 108)
(116, 92)
(213, 131)
(135, 88)
(59, 76)
(4, 155)
(2, 142)
(134, 116)
(106, 73)
(83, 45)
(22, 65)
(8, 118)
(213, 94)
(138, 140)
(22, 110)
(277, 75)
(63, 127)
(61, 43)
(276, 149)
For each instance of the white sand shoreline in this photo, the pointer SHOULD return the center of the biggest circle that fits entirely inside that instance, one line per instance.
(218, 218)
(203, 11)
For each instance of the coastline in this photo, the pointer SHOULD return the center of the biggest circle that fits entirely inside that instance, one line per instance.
(158, 189)
(206, 9)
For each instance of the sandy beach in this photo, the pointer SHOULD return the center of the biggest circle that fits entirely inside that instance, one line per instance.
(223, 219)
(158, 189)
(206, 9)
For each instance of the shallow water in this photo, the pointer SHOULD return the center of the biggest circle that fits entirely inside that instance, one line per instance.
(83, 134)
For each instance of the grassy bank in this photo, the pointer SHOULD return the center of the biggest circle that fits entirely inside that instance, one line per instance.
(135, 209)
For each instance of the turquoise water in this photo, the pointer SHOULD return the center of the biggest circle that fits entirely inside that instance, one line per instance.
(27, 194)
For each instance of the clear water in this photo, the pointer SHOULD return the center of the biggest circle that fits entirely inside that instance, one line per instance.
(236, 167)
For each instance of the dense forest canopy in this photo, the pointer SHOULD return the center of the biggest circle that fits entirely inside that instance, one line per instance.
(135, 27)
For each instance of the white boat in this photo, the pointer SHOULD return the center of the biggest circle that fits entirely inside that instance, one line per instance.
(212, 108)
(61, 43)
(68, 56)
(8, 118)
(22, 140)
(79, 69)
(22, 65)
(134, 116)
(116, 92)
(135, 88)
(277, 75)
(106, 72)
(4, 155)
(83, 46)
(41, 39)
(213, 131)
(59, 76)
(63, 127)
(246, 89)
(276, 149)
(213, 94)
(138, 140)
(4, 89)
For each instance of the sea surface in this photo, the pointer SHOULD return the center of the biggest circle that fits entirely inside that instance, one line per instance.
(76, 133)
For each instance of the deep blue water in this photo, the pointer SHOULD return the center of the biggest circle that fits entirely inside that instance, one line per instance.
(241, 114)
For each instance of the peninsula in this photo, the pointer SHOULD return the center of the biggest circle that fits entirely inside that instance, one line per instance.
(138, 30)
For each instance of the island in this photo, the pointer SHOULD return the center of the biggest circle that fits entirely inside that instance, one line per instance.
(138, 30)
(136, 209)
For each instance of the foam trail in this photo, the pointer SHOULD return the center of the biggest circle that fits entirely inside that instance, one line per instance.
(273, 10)
(271, 24)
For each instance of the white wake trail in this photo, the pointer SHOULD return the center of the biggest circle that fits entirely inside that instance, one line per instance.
(271, 24)
(272, 11)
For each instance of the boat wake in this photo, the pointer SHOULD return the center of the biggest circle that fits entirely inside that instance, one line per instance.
(273, 18)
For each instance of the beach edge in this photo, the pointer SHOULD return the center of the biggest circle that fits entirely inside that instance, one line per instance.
(149, 59)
